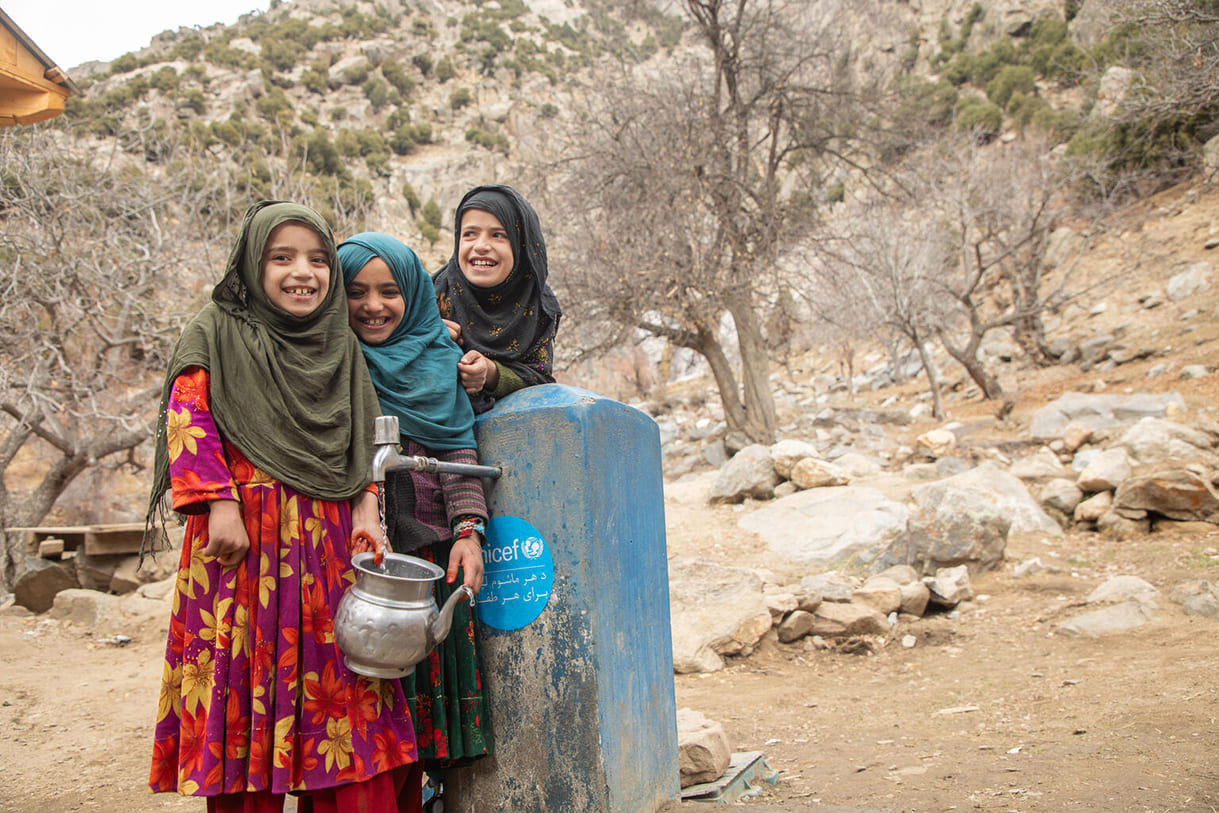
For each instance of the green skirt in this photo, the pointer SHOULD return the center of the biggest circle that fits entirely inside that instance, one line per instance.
(446, 693)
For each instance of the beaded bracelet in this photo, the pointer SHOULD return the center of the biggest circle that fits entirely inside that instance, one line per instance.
(466, 526)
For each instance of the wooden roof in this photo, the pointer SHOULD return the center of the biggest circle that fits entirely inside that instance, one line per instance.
(32, 87)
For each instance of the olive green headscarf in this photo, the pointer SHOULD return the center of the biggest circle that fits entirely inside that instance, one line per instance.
(291, 392)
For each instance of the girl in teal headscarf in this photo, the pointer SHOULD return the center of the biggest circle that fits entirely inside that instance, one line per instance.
(438, 517)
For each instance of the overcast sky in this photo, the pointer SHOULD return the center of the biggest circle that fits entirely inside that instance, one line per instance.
(72, 32)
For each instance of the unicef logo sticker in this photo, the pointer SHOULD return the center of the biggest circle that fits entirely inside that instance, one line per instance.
(533, 547)
(518, 574)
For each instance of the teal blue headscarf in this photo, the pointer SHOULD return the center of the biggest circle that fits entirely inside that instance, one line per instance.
(415, 369)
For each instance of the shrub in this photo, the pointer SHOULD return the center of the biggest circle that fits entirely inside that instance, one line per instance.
(933, 102)
(549, 110)
(430, 233)
(402, 141)
(377, 93)
(491, 141)
(423, 62)
(356, 74)
(320, 154)
(411, 197)
(431, 213)
(187, 48)
(165, 79)
(315, 79)
(282, 54)
(982, 118)
(1010, 79)
(124, 64)
(194, 100)
(396, 76)
(272, 103)
(445, 70)
(460, 98)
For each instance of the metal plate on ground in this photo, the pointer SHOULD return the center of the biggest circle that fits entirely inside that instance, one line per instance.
(746, 771)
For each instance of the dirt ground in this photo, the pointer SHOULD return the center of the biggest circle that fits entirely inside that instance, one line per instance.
(991, 710)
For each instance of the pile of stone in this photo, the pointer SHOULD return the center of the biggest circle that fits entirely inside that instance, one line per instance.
(1116, 464)
(1097, 471)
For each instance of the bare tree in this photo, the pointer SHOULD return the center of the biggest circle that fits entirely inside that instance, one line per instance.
(695, 178)
(884, 278)
(106, 252)
(1177, 57)
(100, 257)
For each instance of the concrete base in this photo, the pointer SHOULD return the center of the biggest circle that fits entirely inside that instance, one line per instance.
(582, 699)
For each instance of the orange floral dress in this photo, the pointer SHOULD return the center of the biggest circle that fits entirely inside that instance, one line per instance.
(254, 692)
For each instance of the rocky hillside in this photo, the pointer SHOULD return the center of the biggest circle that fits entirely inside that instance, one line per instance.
(387, 106)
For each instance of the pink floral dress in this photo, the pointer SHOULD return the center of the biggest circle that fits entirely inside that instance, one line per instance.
(254, 692)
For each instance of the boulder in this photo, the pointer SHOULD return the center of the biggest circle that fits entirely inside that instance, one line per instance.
(1158, 440)
(750, 473)
(1124, 588)
(86, 608)
(1097, 411)
(39, 580)
(1040, 465)
(985, 490)
(809, 472)
(915, 597)
(787, 453)
(827, 525)
(880, 593)
(703, 751)
(828, 586)
(1060, 495)
(798, 624)
(1105, 471)
(834, 620)
(1193, 280)
(1197, 597)
(937, 442)
(714, 610)
(949, 586)
(1109, 620)
(1179, 494)
(1093, 508)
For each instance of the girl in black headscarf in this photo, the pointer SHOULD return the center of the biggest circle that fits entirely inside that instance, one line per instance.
(494, 298)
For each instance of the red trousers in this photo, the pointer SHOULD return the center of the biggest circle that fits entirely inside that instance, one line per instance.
(396, 791)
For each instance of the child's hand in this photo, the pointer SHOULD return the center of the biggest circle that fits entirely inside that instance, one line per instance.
(454, 330)
(477, 372)
(227, 539)
(365, 525)
(467, 554)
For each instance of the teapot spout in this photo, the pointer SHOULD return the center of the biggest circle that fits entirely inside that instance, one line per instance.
(440, 626)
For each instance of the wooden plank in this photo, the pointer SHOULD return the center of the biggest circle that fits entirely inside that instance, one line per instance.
(102, 540)
(118, 537)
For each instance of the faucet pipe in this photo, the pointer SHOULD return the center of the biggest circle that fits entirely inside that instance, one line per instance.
(388, 458)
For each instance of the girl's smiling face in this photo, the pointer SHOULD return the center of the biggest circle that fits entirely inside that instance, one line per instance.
(484, 252)
(295, 269)
(374, 303)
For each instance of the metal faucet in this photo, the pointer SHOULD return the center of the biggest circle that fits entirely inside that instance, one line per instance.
(388, 457)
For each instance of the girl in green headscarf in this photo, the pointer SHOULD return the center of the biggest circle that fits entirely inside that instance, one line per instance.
(266, 447)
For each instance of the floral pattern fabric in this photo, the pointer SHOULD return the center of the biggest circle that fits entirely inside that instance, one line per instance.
(254, 692)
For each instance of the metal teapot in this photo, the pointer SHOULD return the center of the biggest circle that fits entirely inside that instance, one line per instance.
(387, 621)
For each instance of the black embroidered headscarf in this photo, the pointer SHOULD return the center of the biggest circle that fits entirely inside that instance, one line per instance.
(513, 323)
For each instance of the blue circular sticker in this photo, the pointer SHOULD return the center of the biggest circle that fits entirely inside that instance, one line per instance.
(519, 574)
